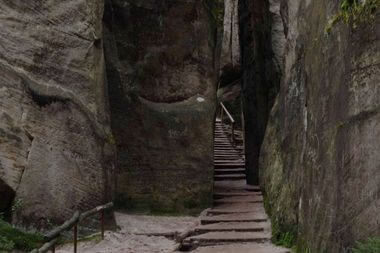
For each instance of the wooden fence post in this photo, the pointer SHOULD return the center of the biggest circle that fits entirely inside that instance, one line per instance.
(75, 237)
(102, 222)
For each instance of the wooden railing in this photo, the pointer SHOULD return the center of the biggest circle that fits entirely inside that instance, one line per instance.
(223, 110)
(51, 237)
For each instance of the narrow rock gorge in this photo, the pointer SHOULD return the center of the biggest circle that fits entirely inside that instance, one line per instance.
(118, 101)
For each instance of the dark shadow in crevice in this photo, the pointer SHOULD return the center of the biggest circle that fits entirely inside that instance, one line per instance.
(44, 100)
(7, 196)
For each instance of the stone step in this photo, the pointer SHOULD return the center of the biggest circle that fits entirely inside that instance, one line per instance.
(229, 177)
(229, 158)
(231, 226)
(240, 185)
(240, 199)
(227, 133)
(219, 166)
(233, 162)
(242, 248)
(228, 146)
(219, 149)
(228, 165)
(215, 238)
(252, 188)
(224, 158)
(220, 194)
(228, 149)
(235, 217)
(229, 171)
(237, 208)
(216, 211)
(225, 153)
(232, 157)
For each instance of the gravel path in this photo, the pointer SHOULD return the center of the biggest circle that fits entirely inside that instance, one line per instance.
(129, 238)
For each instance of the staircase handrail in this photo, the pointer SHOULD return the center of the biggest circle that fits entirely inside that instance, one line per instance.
(51, 238)
(232, 121)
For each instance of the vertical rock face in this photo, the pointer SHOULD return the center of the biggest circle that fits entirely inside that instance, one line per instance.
(162, 94)
(55, 148)
(230, 44)
(319, 161)
(260, 79)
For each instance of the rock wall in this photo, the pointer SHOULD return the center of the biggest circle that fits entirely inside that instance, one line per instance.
(260, 76)
(230, 54)
(162, 81)
(55, 148)
(319, 161)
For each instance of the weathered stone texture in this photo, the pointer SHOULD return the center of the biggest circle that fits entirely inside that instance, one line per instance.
(319, 162)
(230, 54)
(162, 93)
(260, 77)
(55, 149)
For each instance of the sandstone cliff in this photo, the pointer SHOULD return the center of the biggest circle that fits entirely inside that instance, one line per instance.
(260, 76)
(161, 70)
(55, 149)
(319, 162)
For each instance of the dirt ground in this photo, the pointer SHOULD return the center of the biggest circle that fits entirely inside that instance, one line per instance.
(131, 239)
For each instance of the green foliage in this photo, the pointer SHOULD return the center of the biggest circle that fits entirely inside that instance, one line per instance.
(6, 244)
(13, 238)
(284, 234)
(372, 245)
(17, 205)
(353, 12)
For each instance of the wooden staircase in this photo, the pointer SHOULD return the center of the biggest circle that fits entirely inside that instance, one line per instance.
(237, 223)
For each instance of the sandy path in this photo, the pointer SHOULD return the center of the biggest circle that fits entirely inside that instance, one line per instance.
(128, 240)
